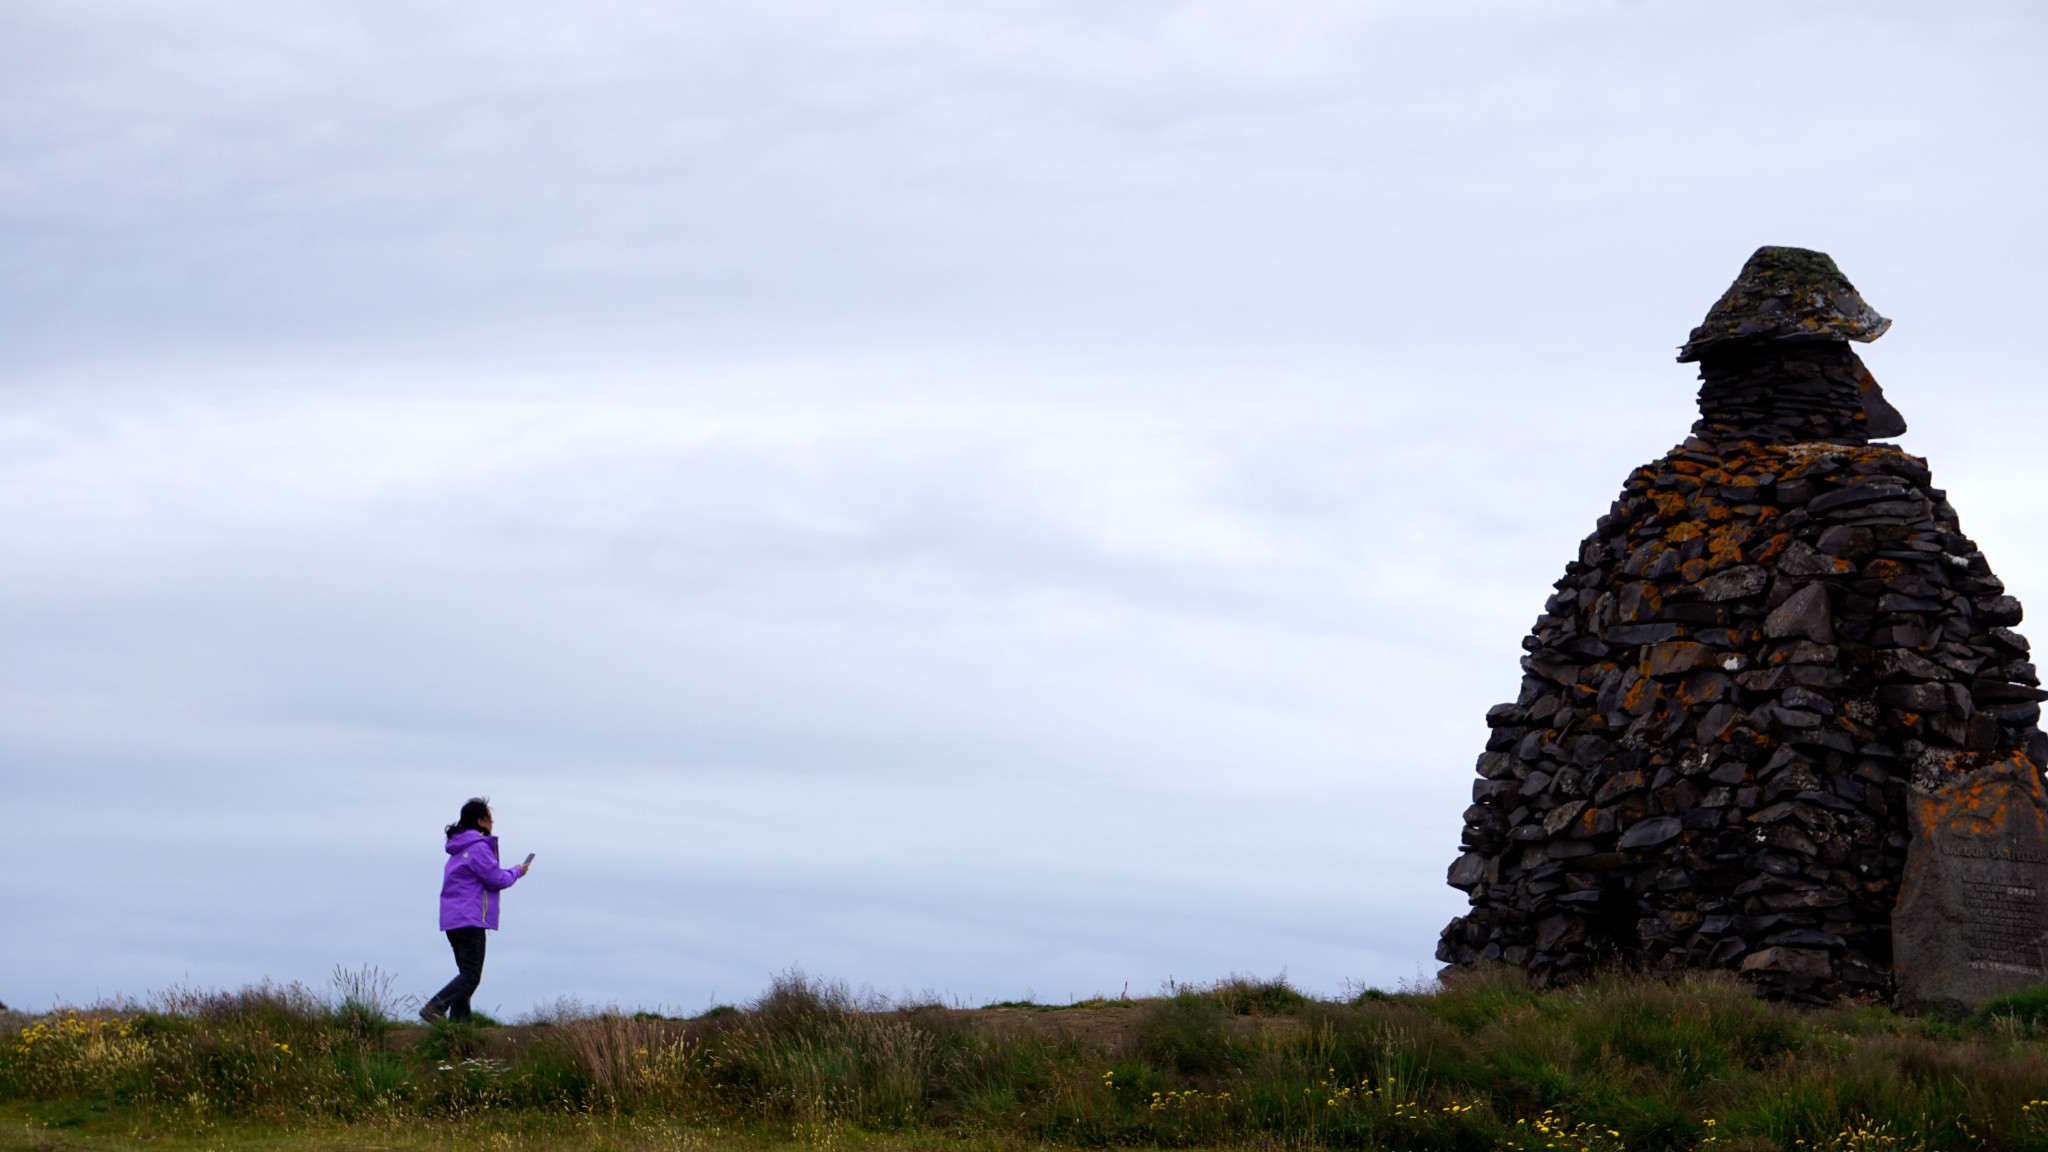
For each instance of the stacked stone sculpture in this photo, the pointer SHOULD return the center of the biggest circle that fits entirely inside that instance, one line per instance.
(1776, 633)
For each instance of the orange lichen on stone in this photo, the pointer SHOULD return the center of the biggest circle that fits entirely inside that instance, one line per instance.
(1672, 656)
(1669, 505)
(1979, 804)
(1640, 602)
(1681, 920)
(1772, 547)
(1724, 545)
(1694, 690)
(1633, 700)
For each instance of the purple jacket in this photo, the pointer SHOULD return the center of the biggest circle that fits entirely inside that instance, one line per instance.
(470, 883)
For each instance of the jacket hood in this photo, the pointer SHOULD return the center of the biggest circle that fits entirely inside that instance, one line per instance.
(468, 836)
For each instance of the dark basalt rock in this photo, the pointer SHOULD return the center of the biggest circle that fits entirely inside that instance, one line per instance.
(1775, 635)
(1785, 294)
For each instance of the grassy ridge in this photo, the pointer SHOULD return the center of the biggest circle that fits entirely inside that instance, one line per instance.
(1620, 1063)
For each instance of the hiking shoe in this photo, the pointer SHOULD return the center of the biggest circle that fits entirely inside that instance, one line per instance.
(433, 1013)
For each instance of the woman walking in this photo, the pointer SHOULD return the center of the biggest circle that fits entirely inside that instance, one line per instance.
(470, 884)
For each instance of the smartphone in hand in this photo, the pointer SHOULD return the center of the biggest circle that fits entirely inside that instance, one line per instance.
(528, 862)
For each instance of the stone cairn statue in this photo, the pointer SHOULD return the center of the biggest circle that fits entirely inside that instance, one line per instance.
(1771, 641)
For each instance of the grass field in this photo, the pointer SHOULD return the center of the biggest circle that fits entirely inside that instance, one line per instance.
(1620, 1063)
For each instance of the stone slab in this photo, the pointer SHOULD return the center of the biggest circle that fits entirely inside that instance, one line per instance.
(1972, 917)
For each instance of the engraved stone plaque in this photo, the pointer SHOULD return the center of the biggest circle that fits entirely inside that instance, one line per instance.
(1972, 917)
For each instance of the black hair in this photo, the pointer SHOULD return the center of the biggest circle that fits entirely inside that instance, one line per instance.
(474, 809)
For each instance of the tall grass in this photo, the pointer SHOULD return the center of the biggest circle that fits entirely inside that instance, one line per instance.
(1486, 1063)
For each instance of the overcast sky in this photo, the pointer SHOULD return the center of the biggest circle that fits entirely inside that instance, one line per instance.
(990, 498)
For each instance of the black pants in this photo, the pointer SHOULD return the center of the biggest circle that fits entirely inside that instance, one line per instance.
(469, 965)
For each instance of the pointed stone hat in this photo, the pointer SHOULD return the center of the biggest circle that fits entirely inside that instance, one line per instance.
(1785, 294)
